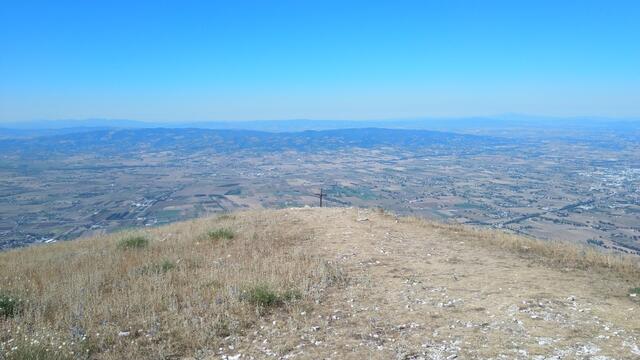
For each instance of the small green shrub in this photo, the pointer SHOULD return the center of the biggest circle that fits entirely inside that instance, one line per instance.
(166, 266)
(635, 291)
(262, 295)
(133, 242)
(221, 234)
(9, 305)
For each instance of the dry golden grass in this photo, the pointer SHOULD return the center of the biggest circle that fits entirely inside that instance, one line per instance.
(556, 253)
(181, 290)
(115, 297)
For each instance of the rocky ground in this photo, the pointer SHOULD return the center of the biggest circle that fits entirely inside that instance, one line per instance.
(423, 291)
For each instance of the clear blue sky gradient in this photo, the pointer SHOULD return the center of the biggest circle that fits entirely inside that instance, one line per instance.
(228, 60)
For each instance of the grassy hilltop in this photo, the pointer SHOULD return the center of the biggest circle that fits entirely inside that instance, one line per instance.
(317, 283)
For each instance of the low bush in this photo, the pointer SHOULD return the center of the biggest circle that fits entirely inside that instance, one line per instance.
(261, 295)
(133, 242)
(166, 266)
(221, 234)
(9, 305)
(264, 296)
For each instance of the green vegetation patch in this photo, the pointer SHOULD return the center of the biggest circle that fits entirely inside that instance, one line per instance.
(221, 234)
(133, 242)
(264, 296)
(635, 291)
(261, 295)
(166, 266)
(9, 305)
(35, 352)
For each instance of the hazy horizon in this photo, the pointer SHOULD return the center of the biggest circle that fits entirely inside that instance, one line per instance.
(501, 117)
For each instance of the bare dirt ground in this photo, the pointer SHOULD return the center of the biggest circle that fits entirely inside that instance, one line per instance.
(416, 290)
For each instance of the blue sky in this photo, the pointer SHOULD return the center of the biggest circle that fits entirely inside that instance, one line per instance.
(233, 60)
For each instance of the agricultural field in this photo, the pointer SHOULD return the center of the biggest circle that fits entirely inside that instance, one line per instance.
(579, 191)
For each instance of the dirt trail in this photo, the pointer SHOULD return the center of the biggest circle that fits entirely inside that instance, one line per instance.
(420, 292)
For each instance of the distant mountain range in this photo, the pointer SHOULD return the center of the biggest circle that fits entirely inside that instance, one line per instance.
(109, 141)
(506, 124)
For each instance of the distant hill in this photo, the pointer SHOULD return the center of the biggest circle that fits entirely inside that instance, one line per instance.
(190, 139)
(512, 125)
(36, 133)
(312, 283)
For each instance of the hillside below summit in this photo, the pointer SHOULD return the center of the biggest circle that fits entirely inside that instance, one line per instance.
(312, 283)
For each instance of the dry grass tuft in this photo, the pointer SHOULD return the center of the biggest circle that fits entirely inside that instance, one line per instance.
(37, 352)
(556, 253)
(174, 294)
